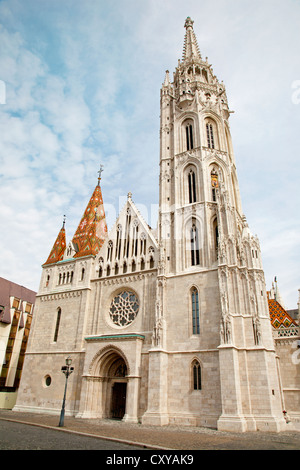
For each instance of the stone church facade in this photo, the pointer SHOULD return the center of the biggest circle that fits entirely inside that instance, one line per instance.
(169, 326)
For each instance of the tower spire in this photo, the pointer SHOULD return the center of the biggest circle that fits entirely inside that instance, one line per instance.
(58, 249)
(191, 49)
(92, 229)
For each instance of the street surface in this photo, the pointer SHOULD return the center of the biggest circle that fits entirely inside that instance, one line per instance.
(17, 436)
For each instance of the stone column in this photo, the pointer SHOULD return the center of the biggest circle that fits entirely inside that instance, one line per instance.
(157, 411)
(132, 399)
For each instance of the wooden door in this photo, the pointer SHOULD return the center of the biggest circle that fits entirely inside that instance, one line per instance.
(118, 400)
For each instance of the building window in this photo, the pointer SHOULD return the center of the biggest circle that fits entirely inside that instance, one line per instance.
(189, 137)
(110, 250)
(119, 240)
(195, 252)
(214, 184)
(216, 235)
(124, 308)
(210, 136)
(57, 325)
(196, 368)
(195, 311)
(192, 186)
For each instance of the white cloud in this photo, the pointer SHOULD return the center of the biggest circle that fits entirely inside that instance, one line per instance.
(82, 83)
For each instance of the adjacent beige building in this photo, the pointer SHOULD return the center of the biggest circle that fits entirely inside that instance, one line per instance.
(16, 310)
(169, 326)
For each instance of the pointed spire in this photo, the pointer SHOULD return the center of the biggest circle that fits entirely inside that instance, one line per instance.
(57, 252)
(167, 79)
(92, 229)
(191, 49)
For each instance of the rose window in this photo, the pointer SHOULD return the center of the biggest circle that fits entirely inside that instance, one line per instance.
(124, 308)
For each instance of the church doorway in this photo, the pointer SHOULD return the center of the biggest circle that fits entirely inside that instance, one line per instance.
(117, 382)
(118, 402)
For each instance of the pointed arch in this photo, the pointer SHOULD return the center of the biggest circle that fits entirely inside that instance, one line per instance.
(211, 133)
(188, 132)
(190, 184)
(196, 375)
(195, 310)
(194, 244)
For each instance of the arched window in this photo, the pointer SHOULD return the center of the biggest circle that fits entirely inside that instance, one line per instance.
(214, 184)
(210, 136)
(143, 243)
(119, 240)
(195, 311)
(196, 370)
(124, 267)
(82, 274)
(109, 250)
(195, 251)
(192, 186)
(189, 137)
(57, 325)
(216, 235)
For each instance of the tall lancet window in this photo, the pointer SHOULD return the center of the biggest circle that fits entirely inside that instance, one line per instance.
(195, 251)
(192, 186)
(189, 137)
(196, 375)
(210, 136)
(195, 311)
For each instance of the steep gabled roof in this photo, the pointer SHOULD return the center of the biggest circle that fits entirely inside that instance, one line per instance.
(92, 229)
(279, 316)
(57, 252)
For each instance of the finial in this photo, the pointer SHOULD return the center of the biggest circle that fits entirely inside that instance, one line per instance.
(129, 196)
(100, 172)
(188, 23)
(64, 221)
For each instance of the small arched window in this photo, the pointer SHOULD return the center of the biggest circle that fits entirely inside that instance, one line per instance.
(210, 136)
(192, 186)
(195, 251)
(119, 241)
(109, 250)
(216, 236)
(196, 371)
(195, 311)
(189, 137)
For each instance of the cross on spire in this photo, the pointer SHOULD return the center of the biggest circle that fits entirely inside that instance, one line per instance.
(100, 172)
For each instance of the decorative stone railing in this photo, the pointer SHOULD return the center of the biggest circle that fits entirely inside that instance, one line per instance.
(289, 332)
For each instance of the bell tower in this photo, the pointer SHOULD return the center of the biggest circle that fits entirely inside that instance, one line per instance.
(198, 170)
(212, 340)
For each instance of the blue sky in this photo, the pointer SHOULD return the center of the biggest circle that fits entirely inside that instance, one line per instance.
(82, 86)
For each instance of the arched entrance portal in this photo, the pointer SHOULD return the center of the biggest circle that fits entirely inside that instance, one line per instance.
(106, 385)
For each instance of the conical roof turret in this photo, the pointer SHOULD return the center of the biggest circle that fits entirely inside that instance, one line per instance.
(92, 229)
(57, 252)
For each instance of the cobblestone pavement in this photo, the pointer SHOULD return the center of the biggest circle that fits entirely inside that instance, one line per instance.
(164, 438)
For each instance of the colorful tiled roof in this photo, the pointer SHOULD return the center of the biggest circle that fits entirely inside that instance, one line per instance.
(92, 229)
(59, 247)
(279, 316)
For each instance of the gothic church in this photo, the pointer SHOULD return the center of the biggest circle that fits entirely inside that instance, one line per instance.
(166, 326)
